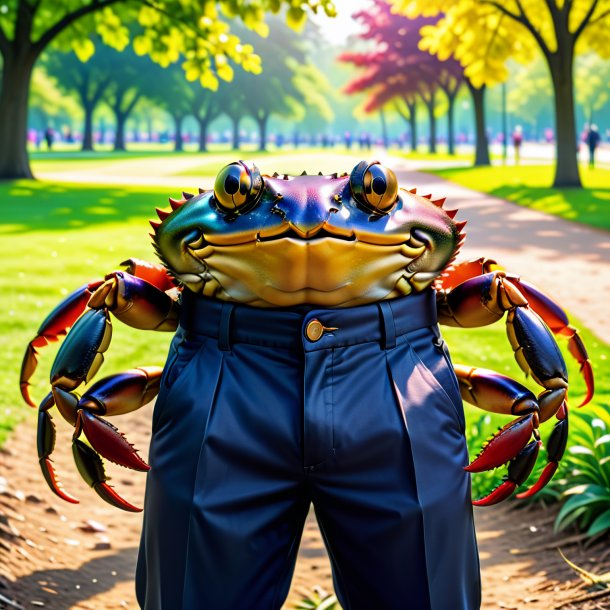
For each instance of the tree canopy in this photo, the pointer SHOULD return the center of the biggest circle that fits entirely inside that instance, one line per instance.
(483, 34)
(166, 30)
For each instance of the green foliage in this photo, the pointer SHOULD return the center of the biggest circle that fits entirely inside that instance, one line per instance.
(592, 77)
(586, 483)
(318, 599)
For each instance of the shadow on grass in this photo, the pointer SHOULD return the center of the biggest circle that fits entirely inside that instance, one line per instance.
(27, 206)
(526, 186)
(587, 205)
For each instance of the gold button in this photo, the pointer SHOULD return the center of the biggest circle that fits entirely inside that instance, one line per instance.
(314, 330)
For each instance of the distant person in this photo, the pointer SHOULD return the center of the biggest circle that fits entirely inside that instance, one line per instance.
(279, 140)
(517, 142)
(593, 139)
(347, 138)
(49, 136)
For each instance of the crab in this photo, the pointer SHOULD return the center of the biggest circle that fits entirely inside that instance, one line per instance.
(347, 240)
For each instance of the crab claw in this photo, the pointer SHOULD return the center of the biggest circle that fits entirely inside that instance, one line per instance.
(558, 322)
(46, 444)
(519, 470)
(92, 470)
(81, 354)
(505, 444)
(555, 446)
(108, 441)
(579, 352)
(500, 493)
(54, 326)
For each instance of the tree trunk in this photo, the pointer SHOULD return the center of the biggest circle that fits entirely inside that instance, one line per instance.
(178, 139)
(451, 124)
(203, 134)
(566, 147)
(16, 75)
(384, 129)
(235, 133)
(262, 132)
(119, 135)
(88, 127)
(149, 128)
(481, 156)
(413, 122)
(432, 120)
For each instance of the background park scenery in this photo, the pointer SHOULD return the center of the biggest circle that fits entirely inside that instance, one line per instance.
(109, 107)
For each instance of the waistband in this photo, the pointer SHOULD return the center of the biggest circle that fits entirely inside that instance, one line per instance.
(307, 327)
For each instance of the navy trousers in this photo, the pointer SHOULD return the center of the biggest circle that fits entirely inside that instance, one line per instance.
(263, 412)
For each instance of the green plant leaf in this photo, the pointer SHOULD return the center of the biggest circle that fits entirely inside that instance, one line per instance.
(601, 523)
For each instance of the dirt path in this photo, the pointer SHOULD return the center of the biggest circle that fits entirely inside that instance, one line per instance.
(49, 557)
(59, 556)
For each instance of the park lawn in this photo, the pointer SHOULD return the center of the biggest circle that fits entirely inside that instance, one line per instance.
(528, 185)
(53, 239)
(56, 237)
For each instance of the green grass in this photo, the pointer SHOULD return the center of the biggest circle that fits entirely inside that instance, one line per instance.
(54, 238)
(528, 185)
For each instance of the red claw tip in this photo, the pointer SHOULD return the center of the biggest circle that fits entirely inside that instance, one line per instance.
(108, 494)
(500, 493)
(54, 483)
(587, 373)
(545, 477)
(25, 393)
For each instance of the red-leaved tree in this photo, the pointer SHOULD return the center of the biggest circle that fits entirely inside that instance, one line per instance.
(396, 70)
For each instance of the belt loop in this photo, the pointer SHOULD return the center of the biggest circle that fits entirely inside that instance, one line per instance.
(224, 327)
(388, 340)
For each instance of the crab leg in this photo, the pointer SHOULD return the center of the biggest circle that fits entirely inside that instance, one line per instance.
(557, 320)
(555, 448)
(46, 444)
(131, 299)
(153, 273)
(92, 470)
(519, 469)
(54, 326)
(478, 292)
(113, 395)
(498, 393)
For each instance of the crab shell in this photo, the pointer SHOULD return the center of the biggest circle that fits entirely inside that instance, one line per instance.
(306, 239)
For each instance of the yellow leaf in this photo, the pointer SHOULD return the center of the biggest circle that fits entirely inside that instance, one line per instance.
(296, 18)
(208, 81)
(225, 72)
(142, 45)
(83, 48)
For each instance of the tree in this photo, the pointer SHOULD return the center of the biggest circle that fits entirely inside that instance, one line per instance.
(205, 108)
(315, 93)
(483, 34)
(89, 80)
(530, 95)
(168, 28)
(397, 68)
(169, 88)
(273, 92)
(48, 103)
(592, 78)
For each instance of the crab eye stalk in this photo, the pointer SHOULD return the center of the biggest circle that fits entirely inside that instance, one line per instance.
(374, 187)
(238, 187)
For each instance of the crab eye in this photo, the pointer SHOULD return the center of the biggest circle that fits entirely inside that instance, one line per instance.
(374, 186)
(238, 187)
